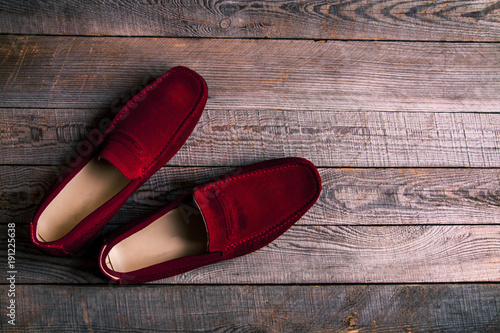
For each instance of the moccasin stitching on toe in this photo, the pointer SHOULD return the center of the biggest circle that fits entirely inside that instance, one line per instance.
(240, 214)
(142, 137)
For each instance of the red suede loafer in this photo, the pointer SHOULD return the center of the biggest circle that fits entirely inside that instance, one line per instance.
(224, 219)
(142, 137)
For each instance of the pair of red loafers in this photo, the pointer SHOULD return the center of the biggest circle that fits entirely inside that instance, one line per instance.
(221, 220)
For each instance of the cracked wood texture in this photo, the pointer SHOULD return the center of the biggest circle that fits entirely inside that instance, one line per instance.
(437, 20)
(350, 196)
(297, 75)
(327, 138)
(397, 103)
(367, 308)
(327, 254)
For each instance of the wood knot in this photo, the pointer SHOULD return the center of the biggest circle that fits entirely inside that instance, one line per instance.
(225, 23)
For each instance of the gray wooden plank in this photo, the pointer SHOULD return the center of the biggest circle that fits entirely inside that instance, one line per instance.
(96, 72)
(361, 308)
(368, 19)
(239, 137)
(349, 196)
(307, 254)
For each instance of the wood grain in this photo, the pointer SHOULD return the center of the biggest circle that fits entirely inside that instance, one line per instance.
(380, 308)
(97, 72)
(404, 94)
(308, 254)
(349, 196)
(359, 19)
(241, 137)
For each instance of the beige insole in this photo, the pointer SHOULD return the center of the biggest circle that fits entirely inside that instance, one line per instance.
(96, 183)
(179, 233)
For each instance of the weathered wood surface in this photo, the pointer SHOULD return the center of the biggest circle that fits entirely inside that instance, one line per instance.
(241, 137)
(349, 196)
(308, 254)
(359, 19)
(96, 72)
(364, 99)
(363, 308)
